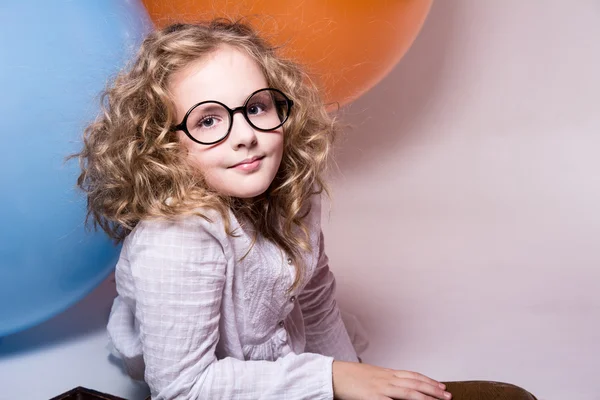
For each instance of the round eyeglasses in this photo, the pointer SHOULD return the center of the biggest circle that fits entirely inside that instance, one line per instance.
(210, 122)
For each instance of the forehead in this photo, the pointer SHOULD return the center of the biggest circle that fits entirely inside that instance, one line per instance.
(228, 75)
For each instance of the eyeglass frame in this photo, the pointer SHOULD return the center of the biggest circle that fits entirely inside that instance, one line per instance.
(182, 126)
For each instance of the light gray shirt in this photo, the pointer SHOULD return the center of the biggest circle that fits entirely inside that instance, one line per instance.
(195, 320)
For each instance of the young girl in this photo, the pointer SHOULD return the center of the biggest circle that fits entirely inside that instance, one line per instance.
(207, 164)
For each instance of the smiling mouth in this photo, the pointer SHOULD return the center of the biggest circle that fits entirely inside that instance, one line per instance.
(248, 161)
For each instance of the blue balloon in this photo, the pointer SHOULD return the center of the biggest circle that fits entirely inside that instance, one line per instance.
(55, 57)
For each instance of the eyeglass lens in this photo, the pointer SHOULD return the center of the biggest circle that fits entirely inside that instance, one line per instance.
(265, 110)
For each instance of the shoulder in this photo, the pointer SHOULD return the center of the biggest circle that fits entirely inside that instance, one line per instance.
(204, 225)
(188, 238)
(313, 210)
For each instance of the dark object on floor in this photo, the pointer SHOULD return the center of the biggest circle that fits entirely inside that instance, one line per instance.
(81, 393)
(487, 390)
(463, 390)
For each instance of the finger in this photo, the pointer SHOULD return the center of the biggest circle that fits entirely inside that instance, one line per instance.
(403, 393)
(419, 377)
(422, 387)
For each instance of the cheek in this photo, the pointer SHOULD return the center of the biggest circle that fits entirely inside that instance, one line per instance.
(280, 148)
(194, 154)
(275, 143)
(205, 162)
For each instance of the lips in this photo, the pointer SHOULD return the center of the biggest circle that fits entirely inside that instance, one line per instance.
(248, 161)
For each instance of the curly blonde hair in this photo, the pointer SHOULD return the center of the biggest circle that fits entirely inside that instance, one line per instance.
(133, 166)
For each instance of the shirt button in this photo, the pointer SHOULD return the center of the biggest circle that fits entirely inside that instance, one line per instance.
(293, 299)
(280, 324)
(289, 260)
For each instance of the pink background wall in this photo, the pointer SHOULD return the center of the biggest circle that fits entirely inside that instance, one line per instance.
(465, 227)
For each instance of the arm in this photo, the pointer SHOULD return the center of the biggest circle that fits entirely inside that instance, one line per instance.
(179, 273)
(326, 334)
(325, 331)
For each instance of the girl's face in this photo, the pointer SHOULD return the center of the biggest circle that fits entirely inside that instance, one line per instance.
(229, 76)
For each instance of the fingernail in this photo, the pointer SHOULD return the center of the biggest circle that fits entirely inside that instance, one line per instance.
(447, 395)
(442, 386)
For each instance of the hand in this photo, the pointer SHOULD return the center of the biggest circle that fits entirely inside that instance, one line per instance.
(354, 381)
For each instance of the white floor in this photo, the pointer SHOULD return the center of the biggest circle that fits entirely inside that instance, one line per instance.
(65, 352)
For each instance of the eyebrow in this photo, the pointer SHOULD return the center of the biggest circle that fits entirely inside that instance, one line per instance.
(242, 99)
(209, 107)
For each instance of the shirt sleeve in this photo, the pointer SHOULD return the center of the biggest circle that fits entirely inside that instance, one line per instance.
(178, 270)
(325, 331)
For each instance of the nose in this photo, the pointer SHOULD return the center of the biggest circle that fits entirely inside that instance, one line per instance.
(242, 134)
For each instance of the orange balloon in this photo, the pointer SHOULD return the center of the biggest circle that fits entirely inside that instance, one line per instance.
(348, 45)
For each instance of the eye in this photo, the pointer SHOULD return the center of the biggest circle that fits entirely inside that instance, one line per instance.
(208, 122)
(256, 108)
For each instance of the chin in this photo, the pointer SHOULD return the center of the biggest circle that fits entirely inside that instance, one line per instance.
(249, 191)
(248, 194)
(243, 186)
